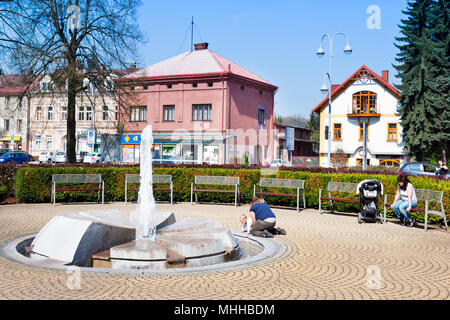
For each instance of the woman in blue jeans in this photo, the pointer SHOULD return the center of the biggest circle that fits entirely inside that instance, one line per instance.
(404, 200)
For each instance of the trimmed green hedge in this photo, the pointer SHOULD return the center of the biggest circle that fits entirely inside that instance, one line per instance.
(3, 193)
(33, 185)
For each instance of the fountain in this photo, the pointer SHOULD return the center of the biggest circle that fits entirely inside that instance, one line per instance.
(148, 240)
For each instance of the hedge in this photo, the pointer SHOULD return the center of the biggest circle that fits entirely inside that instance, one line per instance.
(3, 193)
(33, 185)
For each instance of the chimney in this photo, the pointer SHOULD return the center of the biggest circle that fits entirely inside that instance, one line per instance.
(133, 65)
(201, 46)
(385, 75)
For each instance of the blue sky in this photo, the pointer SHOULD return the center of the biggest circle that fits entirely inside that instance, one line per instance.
(277, 40)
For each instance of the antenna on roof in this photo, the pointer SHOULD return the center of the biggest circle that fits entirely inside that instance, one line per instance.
(192, 34)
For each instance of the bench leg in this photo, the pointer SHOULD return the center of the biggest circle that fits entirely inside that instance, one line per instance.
(53, 193)
(298, 196)
(171, 193)
(254, 190)
(443, 216)
(103, 192)
(235, 196)
(192, 185)
(304, 200)
(320, 201)
(384, 206)
(331, 202)
(126, 196)
(426, 215)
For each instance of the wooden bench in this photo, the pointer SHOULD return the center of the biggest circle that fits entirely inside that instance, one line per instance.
(427, 196)
(78, 179)
(281, 183)
(215, 180)
(157, 179)
(344, 187)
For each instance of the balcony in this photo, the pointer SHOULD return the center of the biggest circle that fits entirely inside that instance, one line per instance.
(356, 112)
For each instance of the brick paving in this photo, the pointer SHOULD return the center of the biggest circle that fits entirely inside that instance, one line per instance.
(327, 257)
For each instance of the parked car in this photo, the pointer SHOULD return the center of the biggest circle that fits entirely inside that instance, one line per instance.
(3, 151)
(61, 157)
(80, 155)
(47, 156)
(18, 157)
(92, 158)
(420, 168)
(280, 163)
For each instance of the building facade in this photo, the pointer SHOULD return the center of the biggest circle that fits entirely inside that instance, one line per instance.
(203, 108)
(301, 144)
(363, 104)
(13, 112)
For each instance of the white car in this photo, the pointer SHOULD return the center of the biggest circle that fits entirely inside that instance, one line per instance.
(61, 157)
(47, 156)
(94, 158)
(80, 156)
(280, 163)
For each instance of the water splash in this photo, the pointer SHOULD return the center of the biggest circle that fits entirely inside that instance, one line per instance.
(144, 215)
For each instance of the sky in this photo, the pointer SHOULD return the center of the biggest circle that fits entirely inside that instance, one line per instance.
(278, 40)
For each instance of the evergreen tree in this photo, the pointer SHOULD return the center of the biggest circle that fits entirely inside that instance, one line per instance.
(421, 67)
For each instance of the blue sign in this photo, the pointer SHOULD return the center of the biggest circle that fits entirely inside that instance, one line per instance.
(131, 139)
(290, 138)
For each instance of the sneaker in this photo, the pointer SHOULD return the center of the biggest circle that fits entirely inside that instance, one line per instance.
(281, 231)
(411, 222)
(267, 234)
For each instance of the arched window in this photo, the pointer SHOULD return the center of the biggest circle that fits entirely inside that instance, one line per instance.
(364, 102)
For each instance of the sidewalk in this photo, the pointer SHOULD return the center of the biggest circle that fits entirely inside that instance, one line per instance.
(327, 257)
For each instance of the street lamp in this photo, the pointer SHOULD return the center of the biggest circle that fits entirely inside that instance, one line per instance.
(320, 53)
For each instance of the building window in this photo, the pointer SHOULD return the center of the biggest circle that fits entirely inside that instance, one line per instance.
(7, 102)
(210, 84)
(105, 113)
(138, 114)
(392, 132)
(64, 113)
(6, 126)
(194, 85)
(88, 113)
(361, 131)
(364, 102)
(37, 142)
(48, 142)
(169, 113)
(326, 132)
(261, 117)
(169, 86)
(50, 113)
(201, 112)
(116, 113)
(38, 113)
(337, 131)
(81, 114)
(19, 125)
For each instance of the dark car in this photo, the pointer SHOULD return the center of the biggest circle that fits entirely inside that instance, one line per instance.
(18, 157)
(420, 169)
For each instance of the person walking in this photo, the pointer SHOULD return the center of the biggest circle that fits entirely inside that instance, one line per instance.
(404, 200)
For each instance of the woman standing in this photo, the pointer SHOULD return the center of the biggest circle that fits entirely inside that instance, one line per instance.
(404, 200)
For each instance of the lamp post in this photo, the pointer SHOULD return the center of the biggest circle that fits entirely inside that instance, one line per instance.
(320, 53)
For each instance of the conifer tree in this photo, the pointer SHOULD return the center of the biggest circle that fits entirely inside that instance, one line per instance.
(422, 62)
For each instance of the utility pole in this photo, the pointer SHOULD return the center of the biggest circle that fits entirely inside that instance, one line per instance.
(192, 34)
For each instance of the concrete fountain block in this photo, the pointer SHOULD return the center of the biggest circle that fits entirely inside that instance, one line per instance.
(143, 249)
(224, 235)
(73, 237)
(191, 224)
(190, 247)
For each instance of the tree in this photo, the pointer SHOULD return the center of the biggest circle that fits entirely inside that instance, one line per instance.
(64, 37)
(424, 105)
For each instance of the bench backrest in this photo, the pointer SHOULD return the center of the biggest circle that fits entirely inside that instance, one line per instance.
(157, 178)
(430, 195)
(282, 183)
(76, 178)
(217, 180)
(348, 187)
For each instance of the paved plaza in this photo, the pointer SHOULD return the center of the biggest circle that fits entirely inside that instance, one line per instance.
(326, 257)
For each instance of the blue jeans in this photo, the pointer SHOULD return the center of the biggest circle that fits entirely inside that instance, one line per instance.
(400, 208)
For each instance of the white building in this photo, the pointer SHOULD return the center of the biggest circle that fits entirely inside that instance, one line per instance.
(364, 97)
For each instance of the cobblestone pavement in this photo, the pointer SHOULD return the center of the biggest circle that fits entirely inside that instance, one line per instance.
(327, 257)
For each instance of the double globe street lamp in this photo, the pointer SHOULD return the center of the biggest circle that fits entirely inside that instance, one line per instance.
(327, 89)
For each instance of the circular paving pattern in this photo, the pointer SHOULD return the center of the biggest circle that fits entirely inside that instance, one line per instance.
(324, 257)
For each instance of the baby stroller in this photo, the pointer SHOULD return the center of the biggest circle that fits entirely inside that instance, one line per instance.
(369, 191)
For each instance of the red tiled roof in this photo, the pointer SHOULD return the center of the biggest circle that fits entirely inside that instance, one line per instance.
(337, 89)
(195, 63)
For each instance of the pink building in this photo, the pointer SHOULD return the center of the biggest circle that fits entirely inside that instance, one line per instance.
(202, 107)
